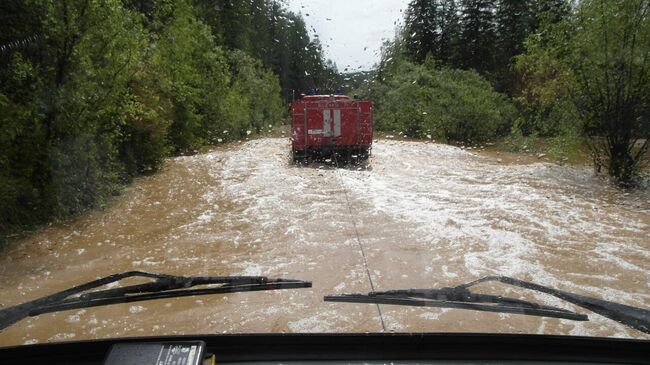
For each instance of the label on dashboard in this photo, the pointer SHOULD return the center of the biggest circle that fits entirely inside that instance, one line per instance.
(164, 353)
(178, 354)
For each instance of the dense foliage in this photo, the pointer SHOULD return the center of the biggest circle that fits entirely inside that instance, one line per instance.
(484, 35)
(93, 93)
(609, 56)
(445, 104)
(265, 30)
(574, 69)
(593, 67)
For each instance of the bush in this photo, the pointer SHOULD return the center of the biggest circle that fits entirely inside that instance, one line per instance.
(446, 104)
(544, 92)
(144, 137)
(261, 90)
(516, 141)
(568, 145)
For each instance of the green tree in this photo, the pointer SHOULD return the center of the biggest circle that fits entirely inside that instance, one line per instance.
(450, 32)
(421, 29)
(259, 89)
(544, 82)
(432, 27)
(610, 58)
(194, 74)
(515, 21)
(93, 93)
(478, 35)
(266, 30)
(66, 99)
(551, 11)
(95, 49)
(448, 105)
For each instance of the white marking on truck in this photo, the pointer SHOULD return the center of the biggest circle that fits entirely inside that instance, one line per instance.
(327, 123)
(337, 122)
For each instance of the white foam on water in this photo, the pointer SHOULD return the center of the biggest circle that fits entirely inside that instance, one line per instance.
(455, 195)
(469, 214)
(63, 336)
(137, 309)
(326, 321)
(251, 269)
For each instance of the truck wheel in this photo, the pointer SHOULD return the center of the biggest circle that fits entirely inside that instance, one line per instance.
(298, 157)
(364, 153)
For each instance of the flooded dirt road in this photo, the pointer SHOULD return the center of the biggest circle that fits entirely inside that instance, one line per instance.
(427, 215)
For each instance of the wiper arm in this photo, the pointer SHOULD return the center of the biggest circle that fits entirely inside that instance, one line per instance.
(163, 286)
(458, 298)
(462, 298)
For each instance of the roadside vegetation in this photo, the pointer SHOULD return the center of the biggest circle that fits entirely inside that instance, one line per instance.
(573, 75)
(421, 101)
(93, 93)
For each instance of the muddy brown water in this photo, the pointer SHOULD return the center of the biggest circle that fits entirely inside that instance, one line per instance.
(427, 215)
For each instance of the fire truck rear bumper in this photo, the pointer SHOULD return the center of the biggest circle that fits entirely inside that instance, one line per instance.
(316, 152)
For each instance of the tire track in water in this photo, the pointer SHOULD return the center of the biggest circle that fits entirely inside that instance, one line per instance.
(361, 250)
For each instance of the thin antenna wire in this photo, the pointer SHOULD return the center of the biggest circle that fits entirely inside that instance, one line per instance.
(356, 233)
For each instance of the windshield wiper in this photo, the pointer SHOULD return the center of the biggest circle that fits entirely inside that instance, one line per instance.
(462, 298)
(163, 286)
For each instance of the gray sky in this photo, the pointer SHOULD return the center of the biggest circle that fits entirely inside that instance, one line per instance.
(351, 31)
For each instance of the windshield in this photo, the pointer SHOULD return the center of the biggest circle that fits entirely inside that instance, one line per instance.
(335, 153)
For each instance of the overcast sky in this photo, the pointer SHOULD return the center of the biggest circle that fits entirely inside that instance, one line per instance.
(351, 31)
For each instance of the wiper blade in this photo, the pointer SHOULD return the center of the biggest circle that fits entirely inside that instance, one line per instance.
(462, 298)
(163, 286)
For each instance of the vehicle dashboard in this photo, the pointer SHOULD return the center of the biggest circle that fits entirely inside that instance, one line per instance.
(370, 349)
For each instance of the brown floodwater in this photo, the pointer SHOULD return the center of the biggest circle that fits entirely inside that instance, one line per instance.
(427, 215)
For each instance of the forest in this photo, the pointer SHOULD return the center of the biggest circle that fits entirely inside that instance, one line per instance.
(575, 73)
(94, 93)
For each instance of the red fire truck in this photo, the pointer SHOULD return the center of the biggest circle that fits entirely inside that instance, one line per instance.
(323, 125)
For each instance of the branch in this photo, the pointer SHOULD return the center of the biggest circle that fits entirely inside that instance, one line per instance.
(606, 41)
(642, 151)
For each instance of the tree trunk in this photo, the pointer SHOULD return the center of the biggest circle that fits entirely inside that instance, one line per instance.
(621, 163)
